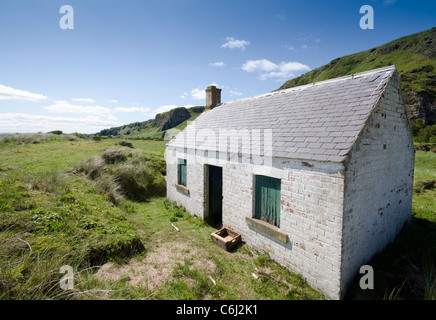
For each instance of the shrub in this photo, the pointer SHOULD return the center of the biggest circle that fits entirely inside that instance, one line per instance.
(57, 132)
(79, 135)
(426, 134)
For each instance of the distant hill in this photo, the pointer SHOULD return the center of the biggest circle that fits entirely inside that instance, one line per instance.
(157, 127)
(415, 59)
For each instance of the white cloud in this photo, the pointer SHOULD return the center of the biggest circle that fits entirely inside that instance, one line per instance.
(317, 40)
(235, 92)
(269, 69)
(162, 109)
(198, 94)
(259, 65)
(218, 64)
(64, 107)
(113, 101)
(166, 108)
(304, 46)
(233, 43)
(83, 100)
(132, 109)
(8, 93)
(24, 123)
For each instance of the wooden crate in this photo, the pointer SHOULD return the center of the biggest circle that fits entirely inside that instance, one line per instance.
(226, 238)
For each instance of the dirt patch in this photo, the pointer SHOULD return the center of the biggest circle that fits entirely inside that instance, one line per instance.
(157, 266)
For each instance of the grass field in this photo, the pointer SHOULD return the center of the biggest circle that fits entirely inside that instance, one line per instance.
(66, 201)
(57, 208)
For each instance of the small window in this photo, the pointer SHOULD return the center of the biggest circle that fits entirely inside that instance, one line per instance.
(182, 172)
(267, 200)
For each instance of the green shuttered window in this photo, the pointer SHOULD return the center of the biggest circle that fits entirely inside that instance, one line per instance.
(267, 200)
(182, 172)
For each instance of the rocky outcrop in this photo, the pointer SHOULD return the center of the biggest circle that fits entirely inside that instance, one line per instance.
(171, 119)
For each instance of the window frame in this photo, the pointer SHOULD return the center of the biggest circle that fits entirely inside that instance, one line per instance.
(182, 169)
(271, 191)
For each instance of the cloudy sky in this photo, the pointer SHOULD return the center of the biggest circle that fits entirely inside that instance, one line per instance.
(125, 61)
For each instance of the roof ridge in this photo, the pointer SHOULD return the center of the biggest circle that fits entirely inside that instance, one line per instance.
(318, 83)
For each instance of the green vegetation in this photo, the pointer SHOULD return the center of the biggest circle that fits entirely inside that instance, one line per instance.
(98, 207)
(33, 138)
(155, 129)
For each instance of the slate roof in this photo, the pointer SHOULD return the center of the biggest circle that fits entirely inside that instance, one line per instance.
(319, 121)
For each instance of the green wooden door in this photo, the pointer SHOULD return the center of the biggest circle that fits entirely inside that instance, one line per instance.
(267, 200)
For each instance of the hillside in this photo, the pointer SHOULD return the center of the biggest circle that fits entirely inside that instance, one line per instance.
(415, 59)
(155, 128)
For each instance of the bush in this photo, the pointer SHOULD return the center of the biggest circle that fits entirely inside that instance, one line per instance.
(427, 134)
(79, 135)
(57, 132)
(96, 138)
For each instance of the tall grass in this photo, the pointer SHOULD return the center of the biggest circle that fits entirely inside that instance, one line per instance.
(122, 173)
(34, 138)
(27, 274)
(430, 281)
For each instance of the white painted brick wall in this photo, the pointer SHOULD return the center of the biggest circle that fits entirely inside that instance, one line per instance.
(379, 183)
(311, 212)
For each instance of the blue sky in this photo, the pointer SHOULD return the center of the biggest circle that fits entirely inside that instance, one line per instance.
(125, 61)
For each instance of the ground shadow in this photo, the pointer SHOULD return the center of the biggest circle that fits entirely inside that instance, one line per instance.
(400, 270)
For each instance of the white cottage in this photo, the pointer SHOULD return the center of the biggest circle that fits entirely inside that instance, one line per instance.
(318, 176)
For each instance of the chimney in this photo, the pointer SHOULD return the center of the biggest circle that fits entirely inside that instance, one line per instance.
(213, 97)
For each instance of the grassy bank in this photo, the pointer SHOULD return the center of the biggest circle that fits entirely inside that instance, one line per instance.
(51, 217)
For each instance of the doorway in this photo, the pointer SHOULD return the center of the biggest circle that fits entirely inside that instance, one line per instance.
(214, 192)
